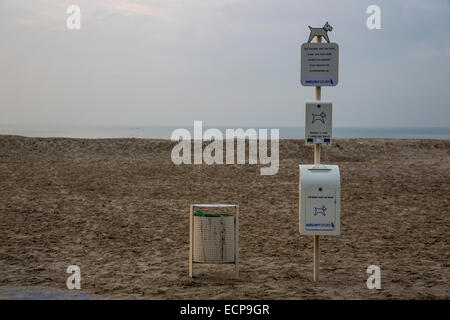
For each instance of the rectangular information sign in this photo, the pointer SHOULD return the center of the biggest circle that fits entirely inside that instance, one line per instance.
(319, 64)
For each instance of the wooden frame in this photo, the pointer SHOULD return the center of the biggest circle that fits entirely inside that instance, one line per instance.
(191, 234)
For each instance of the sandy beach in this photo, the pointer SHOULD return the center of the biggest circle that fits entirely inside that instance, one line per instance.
(118, 208)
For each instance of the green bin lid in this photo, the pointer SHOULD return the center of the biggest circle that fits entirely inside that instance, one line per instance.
(199, 213)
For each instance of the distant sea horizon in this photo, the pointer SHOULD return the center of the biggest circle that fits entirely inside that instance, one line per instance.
(164, 132)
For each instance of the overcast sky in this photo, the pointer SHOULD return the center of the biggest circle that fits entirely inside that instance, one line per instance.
(226, 62)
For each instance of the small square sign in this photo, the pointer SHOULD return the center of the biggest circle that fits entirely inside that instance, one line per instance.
(318, 123)
(320, 208)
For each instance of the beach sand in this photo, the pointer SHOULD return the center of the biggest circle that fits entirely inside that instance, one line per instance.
(119, 209)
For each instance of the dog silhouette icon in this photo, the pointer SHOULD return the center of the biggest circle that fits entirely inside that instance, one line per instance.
(322, 32)
(319, 117)
(320, 211)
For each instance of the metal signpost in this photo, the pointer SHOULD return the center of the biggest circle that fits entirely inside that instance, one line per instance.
(319, 208)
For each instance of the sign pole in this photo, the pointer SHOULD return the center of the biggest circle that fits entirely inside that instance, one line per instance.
(316, 259)
(317, 147)
(319, 67)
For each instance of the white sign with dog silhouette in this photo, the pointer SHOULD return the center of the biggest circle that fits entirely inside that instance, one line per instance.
(319, 64)
(318, 123)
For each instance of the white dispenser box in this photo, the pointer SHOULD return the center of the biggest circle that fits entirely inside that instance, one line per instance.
(320, 200)
(318, 122)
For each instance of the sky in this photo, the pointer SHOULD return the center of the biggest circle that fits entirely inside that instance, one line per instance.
(225, 62)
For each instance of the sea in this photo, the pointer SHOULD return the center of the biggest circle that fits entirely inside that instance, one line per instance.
(165, 132)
